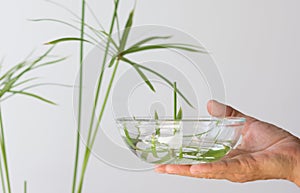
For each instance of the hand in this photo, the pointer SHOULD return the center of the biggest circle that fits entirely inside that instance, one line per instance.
(266, 152)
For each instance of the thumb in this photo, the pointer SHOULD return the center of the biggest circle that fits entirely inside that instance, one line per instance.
(217, 109)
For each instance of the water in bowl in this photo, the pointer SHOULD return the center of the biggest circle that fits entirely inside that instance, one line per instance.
(173, 147)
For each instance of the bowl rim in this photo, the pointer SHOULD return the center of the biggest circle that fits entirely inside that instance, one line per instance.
(224, 120)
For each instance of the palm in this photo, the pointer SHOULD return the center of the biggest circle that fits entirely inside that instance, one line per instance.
(259, 136)
(263, 154)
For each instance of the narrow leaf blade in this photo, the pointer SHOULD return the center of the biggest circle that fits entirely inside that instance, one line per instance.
(163, 78)
(179, 114)
(66, 39)
(112, 61)
(126, 31)
(155, 115)
(33, 95)
(149, 39)
(162, 46)
(143, 76)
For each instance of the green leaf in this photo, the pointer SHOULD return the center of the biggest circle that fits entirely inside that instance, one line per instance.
(12, 70)
(10, 77)
(64, 8)
(32, 95)
(25, 81)
(216, 153)
(180, 153)
(179, 114)
(110, 39)
(101, 34)
(42, 56)
(8, 86)
(66, 24)
(129, 140)
(153, 146)
(112, 61)
(144, 155)
(46, 84)
(149, 39)
(66, 40)
(161, 46)
(51, 62)
(163, 78)
(126, 31)
(143, 76)
(157, 129)
(155, 115)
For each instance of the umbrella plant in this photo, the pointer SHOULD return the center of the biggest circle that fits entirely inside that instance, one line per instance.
(18, 81)
(116, 51)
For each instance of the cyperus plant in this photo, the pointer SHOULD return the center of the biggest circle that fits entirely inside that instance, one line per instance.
(17, 81)
(116, 51)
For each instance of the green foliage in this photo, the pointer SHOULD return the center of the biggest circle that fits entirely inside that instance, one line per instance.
(66, 39)
(12, 82)
(115, 51)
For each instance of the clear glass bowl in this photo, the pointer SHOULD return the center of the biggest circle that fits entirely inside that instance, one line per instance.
(188, 141)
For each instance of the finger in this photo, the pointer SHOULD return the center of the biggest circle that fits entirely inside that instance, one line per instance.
(182, 170)
(217, 109)
(160, 168)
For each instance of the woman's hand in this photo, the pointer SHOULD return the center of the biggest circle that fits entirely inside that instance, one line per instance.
(266, 152)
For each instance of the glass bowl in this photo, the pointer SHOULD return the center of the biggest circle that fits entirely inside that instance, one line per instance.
(187, 141)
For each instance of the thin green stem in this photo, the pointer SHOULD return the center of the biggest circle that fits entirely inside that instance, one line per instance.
(2, 174)
(90, 146)
(3, 150)
(104, 102)
(80, 97)
(25, 186)
(175, 100)
(102, 73)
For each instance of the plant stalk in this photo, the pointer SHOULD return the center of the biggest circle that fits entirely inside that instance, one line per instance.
(80, 96)
(99, 83)
(4, 156)
(90, 146)
(175, 100)
(1, 175)
(25, 186)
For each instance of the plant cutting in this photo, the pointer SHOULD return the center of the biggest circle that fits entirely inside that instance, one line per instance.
(177, 140)
(17, 81)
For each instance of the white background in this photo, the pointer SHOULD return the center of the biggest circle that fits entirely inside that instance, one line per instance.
(255, 43)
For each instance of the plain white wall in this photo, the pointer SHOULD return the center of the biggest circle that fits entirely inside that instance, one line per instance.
(255, 44)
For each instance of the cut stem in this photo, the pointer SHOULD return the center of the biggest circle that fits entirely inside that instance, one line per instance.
(175, 100)
(25, 186)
